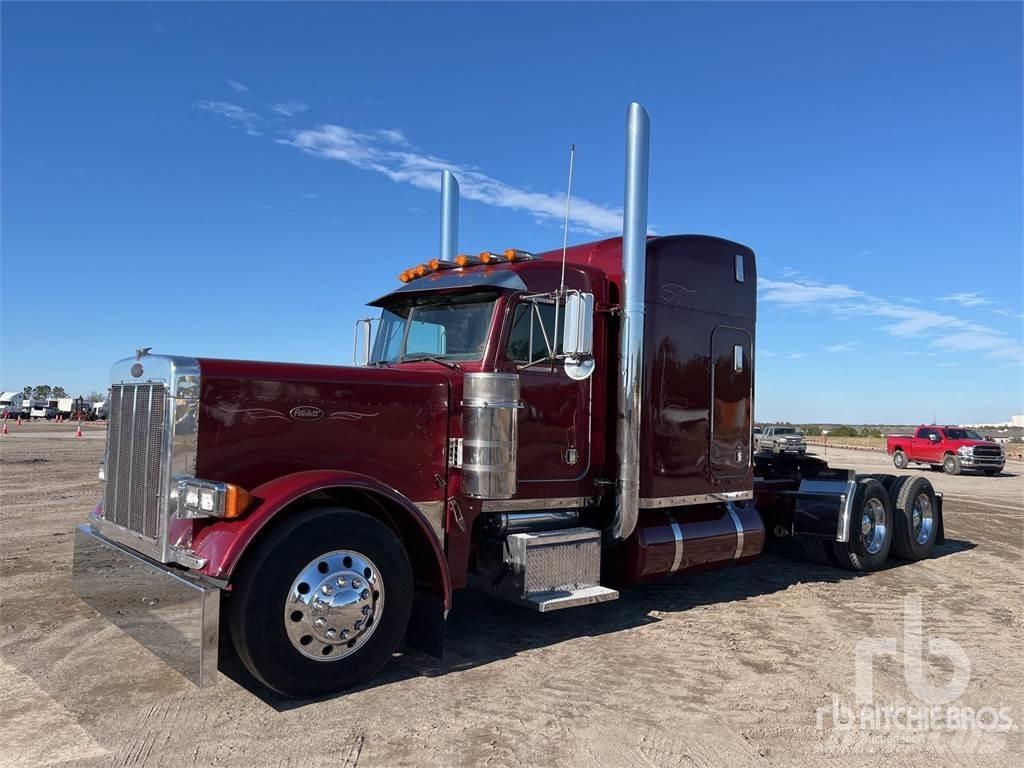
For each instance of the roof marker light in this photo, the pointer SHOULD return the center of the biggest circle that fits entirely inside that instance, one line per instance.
(465, 260)
(486, 257)
(438, 264)
(514, 254)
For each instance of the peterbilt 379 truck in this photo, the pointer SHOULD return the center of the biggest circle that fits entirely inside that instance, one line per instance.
(549, 428)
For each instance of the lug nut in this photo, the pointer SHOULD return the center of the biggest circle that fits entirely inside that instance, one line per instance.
(330, 634)
(320, 623)
(366, 610)
(358, 625)
(341, 581)
(365, 594)
(344, 634)
(319, 605)
(327, 589)
(356, 582)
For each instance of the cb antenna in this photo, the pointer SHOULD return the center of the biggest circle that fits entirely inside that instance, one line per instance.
(565, 229)
(565, 243)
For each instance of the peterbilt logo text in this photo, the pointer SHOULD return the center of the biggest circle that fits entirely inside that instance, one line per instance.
(306, 413)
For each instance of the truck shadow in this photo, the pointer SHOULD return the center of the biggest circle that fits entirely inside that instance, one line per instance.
(482, 630)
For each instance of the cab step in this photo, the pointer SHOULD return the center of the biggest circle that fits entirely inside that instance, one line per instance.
(550, 570)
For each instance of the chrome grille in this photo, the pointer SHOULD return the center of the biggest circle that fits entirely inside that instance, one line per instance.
(135, 439)
(987, 451)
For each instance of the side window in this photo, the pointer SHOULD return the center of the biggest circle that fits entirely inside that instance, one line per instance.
(922, 433)
(938, 433)
(533, 333)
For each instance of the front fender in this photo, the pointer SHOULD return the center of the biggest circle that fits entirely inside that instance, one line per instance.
(223, 542)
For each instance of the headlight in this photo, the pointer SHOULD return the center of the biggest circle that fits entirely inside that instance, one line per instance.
(205, 498)
(966, 450)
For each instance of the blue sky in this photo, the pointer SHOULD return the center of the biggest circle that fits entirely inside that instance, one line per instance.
(238, 179)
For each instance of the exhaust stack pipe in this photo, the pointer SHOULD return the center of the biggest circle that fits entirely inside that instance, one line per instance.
(449, 217)
(631, 345)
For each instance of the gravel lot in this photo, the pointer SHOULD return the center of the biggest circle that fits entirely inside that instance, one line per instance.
(726, 668)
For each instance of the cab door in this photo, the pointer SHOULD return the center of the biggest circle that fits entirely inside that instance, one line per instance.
(555, 422)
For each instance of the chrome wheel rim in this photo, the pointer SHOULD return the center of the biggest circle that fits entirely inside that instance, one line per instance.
(922, 518)
(949, 463)
(334, 605)
(873, 526)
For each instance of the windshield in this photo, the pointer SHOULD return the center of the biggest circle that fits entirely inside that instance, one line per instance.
(448, 326)
(785, 431)
(962, 434)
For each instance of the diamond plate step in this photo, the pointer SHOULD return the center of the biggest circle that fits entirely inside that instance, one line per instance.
(569, 598)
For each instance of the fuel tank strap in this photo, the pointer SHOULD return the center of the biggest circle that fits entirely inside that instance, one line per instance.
(739, 531)
(677, 534)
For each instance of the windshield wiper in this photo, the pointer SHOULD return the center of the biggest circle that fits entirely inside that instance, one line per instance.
(431, 358)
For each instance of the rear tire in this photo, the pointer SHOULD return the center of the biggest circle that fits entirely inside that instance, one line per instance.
(886, 480)
(899, 459)
(915, 513)
(819, 551)
(951, 464)
(871, 529)
(265, 598)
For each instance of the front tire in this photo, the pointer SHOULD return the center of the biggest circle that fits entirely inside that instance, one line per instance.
(899, 459)
(321, 602)
(871, 529)
(951, 464)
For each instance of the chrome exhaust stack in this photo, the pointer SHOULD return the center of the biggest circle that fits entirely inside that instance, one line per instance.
(449, 217)
(631, 341)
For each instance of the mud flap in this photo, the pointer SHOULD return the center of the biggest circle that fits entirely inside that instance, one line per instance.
(425, 632)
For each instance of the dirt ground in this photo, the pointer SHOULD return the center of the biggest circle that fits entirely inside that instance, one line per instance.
(732, 668)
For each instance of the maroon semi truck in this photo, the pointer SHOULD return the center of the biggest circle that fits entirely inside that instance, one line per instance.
(547, 428)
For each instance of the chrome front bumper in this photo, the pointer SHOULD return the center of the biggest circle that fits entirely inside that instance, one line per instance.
(174, 617)
(982, 462)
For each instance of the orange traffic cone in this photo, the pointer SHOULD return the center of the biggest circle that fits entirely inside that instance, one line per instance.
(19, 421)
(5, 427)
(78, 432)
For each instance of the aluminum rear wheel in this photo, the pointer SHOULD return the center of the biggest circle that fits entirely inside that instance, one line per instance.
(333, 604)
(922, 518)
(873, 525)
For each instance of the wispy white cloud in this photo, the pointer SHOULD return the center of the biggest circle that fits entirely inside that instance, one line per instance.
(289, 108)
(944, 332)
(947, 365)
(1009, 313)
(249, 120)
(796, 355)
(388, 152)
(309, 195)
(802, 292)
(787, 355)
(848, 346)
(973, 299)
(236, 86)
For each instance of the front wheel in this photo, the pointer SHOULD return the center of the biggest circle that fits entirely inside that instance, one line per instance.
(871, 529)
(951, 464)
(899, 459)
(321, 603)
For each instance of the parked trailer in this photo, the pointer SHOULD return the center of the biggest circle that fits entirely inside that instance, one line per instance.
(545, 442)
(11, 404)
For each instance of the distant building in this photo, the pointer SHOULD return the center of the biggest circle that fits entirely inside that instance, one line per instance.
(1017, 421)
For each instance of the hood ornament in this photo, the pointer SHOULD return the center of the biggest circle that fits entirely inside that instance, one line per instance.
(141, 352)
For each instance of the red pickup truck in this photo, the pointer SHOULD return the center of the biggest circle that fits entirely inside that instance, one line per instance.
(951, 449)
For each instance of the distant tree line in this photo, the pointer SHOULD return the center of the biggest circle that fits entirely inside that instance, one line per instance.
(46, 392)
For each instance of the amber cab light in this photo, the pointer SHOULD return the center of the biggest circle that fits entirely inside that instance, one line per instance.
(486, 257)
(465, 260)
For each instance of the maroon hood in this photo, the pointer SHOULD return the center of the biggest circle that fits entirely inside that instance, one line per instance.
(260, 420)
